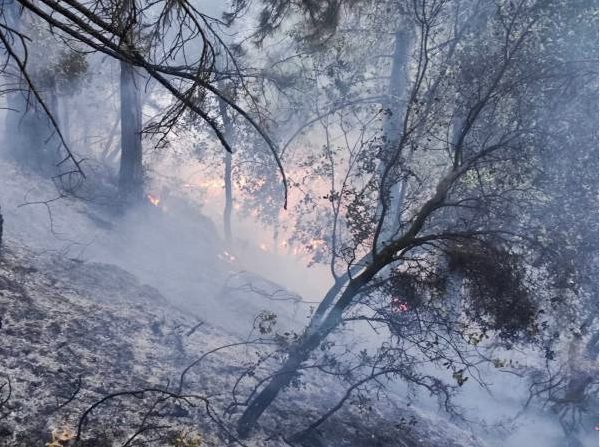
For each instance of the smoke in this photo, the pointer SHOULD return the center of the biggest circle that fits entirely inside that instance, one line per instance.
(174, 242)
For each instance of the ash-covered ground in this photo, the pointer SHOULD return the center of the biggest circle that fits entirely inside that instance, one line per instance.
(74, 333)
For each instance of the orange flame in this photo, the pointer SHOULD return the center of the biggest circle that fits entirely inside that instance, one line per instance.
(153, 199)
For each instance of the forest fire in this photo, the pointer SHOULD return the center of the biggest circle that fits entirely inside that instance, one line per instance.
(227, 256)
(211, 183)
(398, 306)
(153, 199)
(314, 244)
(354, 208)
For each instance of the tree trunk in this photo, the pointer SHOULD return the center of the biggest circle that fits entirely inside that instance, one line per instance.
(281, 379)
(318, 331)
(66, 122)
(229, 136)
(130, 172)
(323, 323)
(301, 352)
(392, 126)
(16, 105)
(394, 121)
(228, 198)
(276, 235)
(1, 230)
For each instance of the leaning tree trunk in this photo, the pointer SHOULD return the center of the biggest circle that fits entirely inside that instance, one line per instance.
(280, 380)
(317, 332)
(312, 338)
(392, 131)
(130, 172)
(321, 325)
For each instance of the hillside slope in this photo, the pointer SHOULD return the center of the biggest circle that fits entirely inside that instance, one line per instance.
(94, 302)
(74, 332)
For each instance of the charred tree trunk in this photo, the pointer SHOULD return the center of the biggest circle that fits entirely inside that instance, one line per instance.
(130, 172)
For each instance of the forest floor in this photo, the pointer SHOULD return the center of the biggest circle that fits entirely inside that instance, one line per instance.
(93, 304)
(75, 332)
